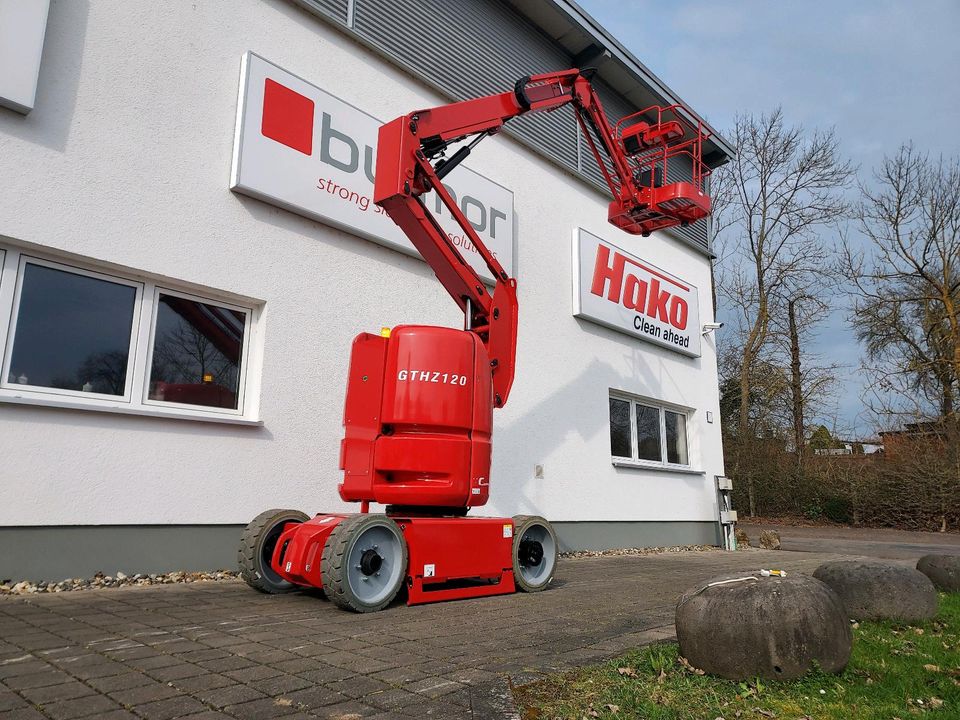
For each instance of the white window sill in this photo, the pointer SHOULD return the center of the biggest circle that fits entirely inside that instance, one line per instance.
(656, 468)
(124, 409)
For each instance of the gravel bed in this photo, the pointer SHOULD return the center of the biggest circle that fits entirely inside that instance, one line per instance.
(639, 551)
(99, 581)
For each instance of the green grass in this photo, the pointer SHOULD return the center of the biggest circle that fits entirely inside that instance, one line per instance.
(896, 671)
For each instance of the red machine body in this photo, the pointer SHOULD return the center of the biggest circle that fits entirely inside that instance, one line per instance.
(419, 406)
(418, 419)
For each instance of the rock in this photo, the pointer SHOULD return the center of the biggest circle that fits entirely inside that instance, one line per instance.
(121, 575)
(770, 539)
(876, 590)
(743, 540)
(771, 627)
(943, 571)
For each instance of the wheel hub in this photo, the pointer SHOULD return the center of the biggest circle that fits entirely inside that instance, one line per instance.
(530, 553)
(370, 562)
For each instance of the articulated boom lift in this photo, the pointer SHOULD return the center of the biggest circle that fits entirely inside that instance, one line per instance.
(418, 415)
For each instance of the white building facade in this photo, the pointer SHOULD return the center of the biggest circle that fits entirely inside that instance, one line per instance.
(183, 274)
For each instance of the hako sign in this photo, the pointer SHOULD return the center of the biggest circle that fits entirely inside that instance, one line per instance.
(613, 288)
(302, 149)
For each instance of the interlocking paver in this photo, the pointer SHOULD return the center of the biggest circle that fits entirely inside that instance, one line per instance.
(315, 697)
(144, 694)
(359, 686)
(209, 681)
(11, 701)
(348, 709)
(21, 665)
(123, 681)
(53, 693)
(177, 672)
(80, 707)
(433, 687)
(27, 713)
(226, 664)
(90, 672)
(230, 695)
(39, 679)
(153, 662)
(296, 666)
(170, 708)
(261, 709)
(393, 699)
(399, 676)
(279, 684)
(219, 649)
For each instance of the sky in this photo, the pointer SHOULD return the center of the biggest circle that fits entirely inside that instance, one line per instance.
(879, 73)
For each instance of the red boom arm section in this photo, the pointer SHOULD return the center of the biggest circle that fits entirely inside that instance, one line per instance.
(634, 157)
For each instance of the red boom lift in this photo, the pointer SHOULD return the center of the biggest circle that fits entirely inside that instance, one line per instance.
(419, 407)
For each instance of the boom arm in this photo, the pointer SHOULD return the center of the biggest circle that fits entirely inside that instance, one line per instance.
(636, 149)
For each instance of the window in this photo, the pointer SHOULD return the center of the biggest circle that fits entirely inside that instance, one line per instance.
(79, 337)
(647, 433)
(72, 331)
(197, 352)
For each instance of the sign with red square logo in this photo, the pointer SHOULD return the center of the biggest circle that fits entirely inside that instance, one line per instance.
(287, 117)
(300, 148)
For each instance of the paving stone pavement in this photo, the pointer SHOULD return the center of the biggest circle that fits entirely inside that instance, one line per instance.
(206, 650)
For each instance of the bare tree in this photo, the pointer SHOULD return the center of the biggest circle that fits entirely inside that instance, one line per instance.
(783, 186)
(185, 354)
(907, 311)
(811, 378)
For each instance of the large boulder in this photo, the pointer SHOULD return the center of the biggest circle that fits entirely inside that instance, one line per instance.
(943, 571)
(745, 626)
(769, 539)
(873, 590)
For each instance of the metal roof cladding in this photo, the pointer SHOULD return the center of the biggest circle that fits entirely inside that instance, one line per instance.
(591, 45)
(564, 24)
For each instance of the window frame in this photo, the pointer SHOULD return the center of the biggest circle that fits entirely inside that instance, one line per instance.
(11, 331)
(244, 353)
(13, 260)
(662, 409)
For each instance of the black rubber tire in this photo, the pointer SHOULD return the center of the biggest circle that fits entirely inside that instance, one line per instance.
(521, 525)
(253, 555)
(336, 551)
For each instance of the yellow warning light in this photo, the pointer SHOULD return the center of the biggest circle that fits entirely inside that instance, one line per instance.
(385, 332)
(208, 377)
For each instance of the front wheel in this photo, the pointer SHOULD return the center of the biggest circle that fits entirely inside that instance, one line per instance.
(256, 549)
(364, 563)
(534, 553)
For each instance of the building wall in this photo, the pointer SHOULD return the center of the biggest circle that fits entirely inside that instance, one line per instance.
(125, 160)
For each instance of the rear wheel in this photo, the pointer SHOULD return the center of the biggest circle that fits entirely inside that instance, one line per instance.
(364, 563)
(534, 553)
(256, 549)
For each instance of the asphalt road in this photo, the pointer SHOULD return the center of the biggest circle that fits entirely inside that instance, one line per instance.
(868, 542)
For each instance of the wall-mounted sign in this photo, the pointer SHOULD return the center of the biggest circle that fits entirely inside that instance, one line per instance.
(23, 23)
(614, 288)
(302, 149)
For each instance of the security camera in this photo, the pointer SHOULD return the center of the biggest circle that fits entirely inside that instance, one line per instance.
(710, 327)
